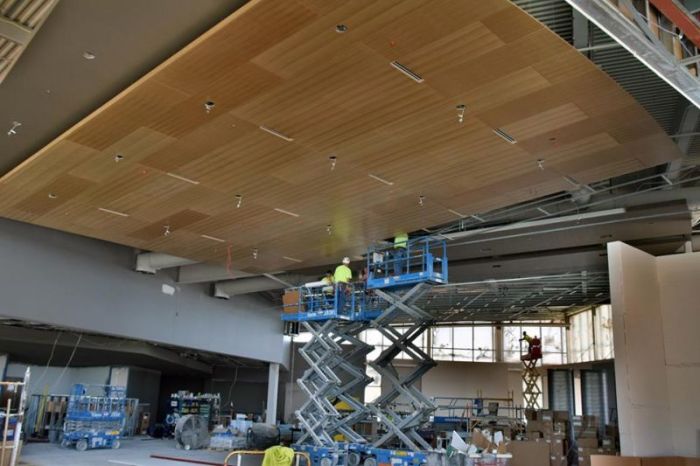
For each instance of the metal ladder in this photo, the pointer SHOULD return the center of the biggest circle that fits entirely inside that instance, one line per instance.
(402, 308)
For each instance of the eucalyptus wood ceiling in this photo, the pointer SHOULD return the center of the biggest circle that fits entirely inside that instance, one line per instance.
(282, 65)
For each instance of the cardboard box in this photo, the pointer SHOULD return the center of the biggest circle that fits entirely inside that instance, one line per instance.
(602, 460)
(529, 453)
(291, 302)
(587, 443)
(557, 460)
(540, 426)
(560, 426)
(588, 432)
(557, 447)
(561, 416)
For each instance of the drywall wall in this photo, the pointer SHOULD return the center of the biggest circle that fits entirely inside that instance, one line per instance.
(70, 281)
(657, 357)
(679, 285)
(56, 380)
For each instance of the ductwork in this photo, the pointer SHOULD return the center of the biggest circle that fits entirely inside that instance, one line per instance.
(228, 288)
(151, 262)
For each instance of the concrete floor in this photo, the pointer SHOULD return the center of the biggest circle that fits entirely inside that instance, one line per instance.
(133, 452)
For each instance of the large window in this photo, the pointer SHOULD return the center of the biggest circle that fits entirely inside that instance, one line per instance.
(581, 337)
(603, 328)
(553, 340)
(463, 343)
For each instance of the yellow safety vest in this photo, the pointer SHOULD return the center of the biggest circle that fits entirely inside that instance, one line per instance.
(342, 274)
(401, 241)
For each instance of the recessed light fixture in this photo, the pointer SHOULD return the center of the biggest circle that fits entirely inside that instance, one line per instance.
(341, 28)
(209, 106)
(274, 132)
(292, 259)
(213, 238)
(286, 212)
(381, 180)
(13, 129)
(52, 196)
(407, 71)
(118, 158)
(505, 136)
(113, 212)
(89, 55)
(182, 178)
(239, 200)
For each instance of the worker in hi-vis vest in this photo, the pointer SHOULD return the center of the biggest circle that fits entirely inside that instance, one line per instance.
(342, 277)
(399, 254)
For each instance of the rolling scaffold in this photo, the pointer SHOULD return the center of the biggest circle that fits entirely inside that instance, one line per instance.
(335, 318)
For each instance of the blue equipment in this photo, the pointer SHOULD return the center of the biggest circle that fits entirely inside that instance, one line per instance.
(424, 260)
(319, 303)
(94, 421)
(336, 316)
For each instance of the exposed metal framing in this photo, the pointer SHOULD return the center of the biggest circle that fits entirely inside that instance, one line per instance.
(19, 22)
(635, 35)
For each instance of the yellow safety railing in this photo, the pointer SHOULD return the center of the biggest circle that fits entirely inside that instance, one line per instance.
(298, 455)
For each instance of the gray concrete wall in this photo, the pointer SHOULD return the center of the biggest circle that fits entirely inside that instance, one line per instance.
(70, 281)
(54, 380)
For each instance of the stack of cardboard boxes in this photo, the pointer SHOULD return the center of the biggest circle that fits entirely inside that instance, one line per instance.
(550, 428)
(553, 429)
(588, 441)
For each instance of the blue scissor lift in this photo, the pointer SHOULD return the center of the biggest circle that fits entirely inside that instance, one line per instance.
(94, 420)
(395, 282)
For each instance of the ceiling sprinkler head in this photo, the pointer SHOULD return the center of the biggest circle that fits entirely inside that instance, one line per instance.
(53, 195)
(209, 106)
(239, 201)
(540, 164)
(88, 55)
(341, 28)
(13, 128)
(118, 158)
(166, 230)
(329, 229)
(461, 108)
(333, 159)
(421, 200)
(255, 253)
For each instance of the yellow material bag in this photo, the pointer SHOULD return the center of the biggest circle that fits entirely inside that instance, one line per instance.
(278, 456)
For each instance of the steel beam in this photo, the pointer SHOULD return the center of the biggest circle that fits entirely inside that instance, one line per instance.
(14, 31)
(640, 44)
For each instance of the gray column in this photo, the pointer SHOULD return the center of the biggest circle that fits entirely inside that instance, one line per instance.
(272, 390)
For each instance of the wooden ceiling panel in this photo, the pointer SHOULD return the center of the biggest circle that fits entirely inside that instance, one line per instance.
(283, 66)
(395, 36)
(510, 26)
(133, 148)
(54, 194)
